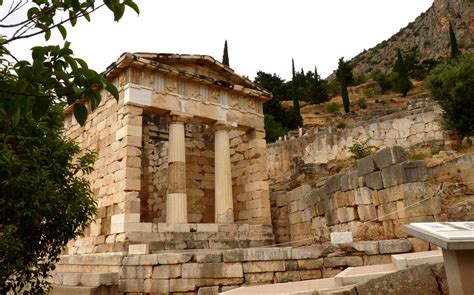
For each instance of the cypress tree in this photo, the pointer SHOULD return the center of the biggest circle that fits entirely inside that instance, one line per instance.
(296, 114)
(225, 57)
(318, 89)
(455, 52)
(401, 80)
(344, 77)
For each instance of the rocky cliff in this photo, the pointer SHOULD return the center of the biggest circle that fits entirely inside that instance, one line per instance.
(429, 33)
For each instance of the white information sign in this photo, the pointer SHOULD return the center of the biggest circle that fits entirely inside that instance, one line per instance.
(448, 230)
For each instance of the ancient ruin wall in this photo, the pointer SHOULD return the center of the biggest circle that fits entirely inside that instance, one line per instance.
(361, 201)
(114, 132)
(207, 272)
(405, 129)
(246, 150)
(382, 193)
(199, 171)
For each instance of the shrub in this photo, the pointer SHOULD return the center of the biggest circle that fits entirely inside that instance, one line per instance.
(415, 155)
(452, 84)
(332, 107)
(383, 80)
(369, 92)
(273, 129)
(361, 103)
(359, 79)
(341, 125)
(362, 149)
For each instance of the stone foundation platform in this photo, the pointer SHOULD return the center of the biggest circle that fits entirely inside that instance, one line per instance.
(205, 236)
(164, 236)
(211, 271)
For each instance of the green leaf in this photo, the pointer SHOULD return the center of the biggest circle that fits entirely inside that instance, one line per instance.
(73, 18)
(71, 62)
(31, 12)
(132, 5)
(41, 107)
(63, 31)
(112, 89)
(21, 85)
(16, 113)
(82, 63)
(37, 53)
(118, 12)
(86, 15)
(80, 112)
(47, 34)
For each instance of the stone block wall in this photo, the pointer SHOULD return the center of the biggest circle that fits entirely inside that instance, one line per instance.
(114, 132)
(250, 187)
(199, 147)
(373, 201)
(249, 175)
(409, 128)
(200, 272)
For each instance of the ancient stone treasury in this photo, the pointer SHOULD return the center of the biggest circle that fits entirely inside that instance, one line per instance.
(185, 204)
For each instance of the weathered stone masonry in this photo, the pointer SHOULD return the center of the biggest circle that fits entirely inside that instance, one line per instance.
(406, 129)
(380, 194)
(202, 272)
(184, 144)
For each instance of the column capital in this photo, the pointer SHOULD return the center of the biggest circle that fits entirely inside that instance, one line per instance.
(179, 117)
(224, 125)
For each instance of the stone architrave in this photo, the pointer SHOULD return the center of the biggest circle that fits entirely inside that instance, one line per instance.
(223, 178)
(176, 202)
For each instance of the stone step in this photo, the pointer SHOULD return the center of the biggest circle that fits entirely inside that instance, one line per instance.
(294, 288)
(85, 279)
(402, 261)
(354, 275)
(83, 290)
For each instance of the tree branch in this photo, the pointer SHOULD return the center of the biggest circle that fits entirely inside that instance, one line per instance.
(12, 10)
(76, 16)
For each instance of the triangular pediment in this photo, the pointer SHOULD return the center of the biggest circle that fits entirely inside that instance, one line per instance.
(202, 67)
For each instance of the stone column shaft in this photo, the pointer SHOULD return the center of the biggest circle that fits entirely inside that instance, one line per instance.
(224, 212)
(176, 201)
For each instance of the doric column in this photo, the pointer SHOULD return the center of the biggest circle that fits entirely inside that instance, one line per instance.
(176, 203)
(223, 176)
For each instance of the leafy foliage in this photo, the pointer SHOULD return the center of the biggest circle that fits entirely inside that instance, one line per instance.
(362, 149)
(43, 203)
(273, 129)
(334, 88)
(362, 103)
(452, 84)
(383, 80)
(332, 107)
(345, 78)
(54, 75)
(340, 125)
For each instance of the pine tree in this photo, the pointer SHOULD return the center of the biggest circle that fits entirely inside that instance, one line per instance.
(225, 57)
(344, 77)
(455, 52)
(401, 81)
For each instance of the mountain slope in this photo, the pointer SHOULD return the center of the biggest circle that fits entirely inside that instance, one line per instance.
(428, 33)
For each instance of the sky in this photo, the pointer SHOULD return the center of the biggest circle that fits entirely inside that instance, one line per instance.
(261, 34)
